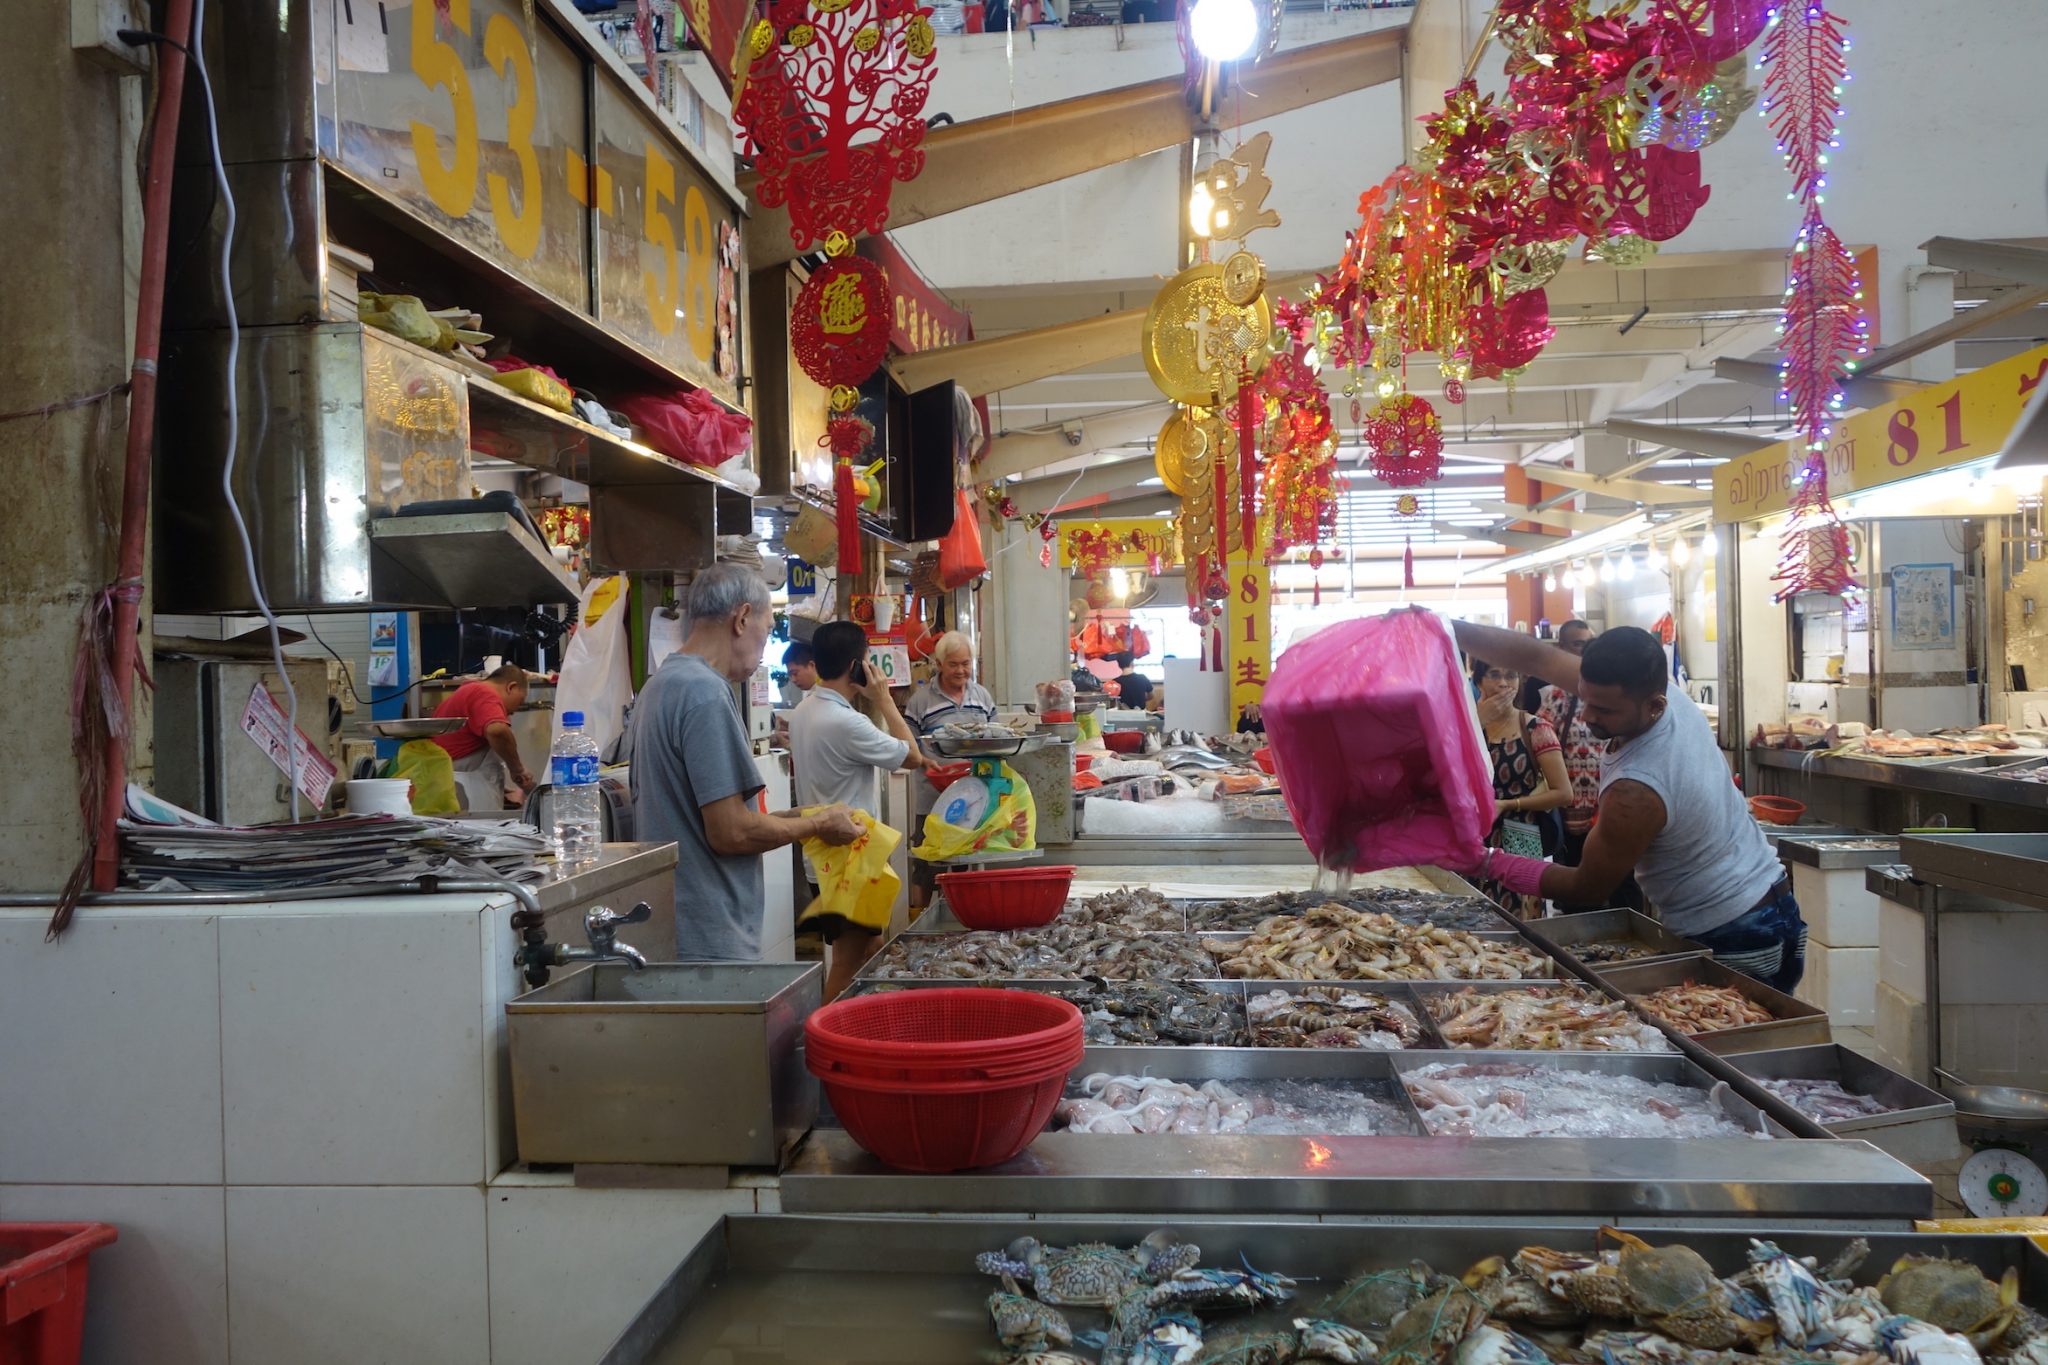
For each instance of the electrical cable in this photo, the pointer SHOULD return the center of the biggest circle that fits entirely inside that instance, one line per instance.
(233, 435)
(348, 678)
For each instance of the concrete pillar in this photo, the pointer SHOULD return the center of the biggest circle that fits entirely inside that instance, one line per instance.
(1526, 597)
(65, 313)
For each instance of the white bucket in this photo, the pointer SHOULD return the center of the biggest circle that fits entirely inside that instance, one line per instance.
(380, 796)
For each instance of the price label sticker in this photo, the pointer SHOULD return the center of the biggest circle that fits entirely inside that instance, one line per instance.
(889, 657)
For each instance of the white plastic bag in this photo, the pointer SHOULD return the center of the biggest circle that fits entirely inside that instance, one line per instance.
(597, 670)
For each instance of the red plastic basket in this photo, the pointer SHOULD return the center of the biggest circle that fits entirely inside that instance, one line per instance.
(1264, 758)
(1008, 898)
(42, 1289)
(1123, 741)
(945, 1132)
(967, 1026)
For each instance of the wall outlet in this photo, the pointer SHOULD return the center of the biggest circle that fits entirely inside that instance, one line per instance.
(94, 24)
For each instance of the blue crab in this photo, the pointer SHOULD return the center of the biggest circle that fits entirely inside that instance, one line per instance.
(1513, 1296)
(2025, 1342)
(1144, 1306)
(1954, 1296)
(1377, 1297)
(1024, 1324)
(1320, 1339)
(1093, 1274)
(1670, 1290)
(1915, 1341)
(1428, 1332)
(1313, 1339)
(1493, 1344)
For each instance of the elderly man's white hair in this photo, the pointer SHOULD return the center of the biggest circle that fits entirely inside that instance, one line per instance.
(719, 591)
(951, 643)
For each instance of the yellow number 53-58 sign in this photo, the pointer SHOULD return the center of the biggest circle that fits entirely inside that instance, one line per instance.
(476, 119)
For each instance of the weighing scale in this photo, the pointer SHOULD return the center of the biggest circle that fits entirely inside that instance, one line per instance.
(2003, 1182)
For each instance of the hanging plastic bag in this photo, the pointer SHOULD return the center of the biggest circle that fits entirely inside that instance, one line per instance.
(689, 425)
(432, 773)
(961, 560)
(983, 812)
(1378, 747)
(856, 885)
(597, 669)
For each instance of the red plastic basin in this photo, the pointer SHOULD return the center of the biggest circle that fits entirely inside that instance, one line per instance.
(1007, 898)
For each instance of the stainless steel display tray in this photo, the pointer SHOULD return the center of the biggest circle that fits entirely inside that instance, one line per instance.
(750, 1263)
(1922, 1127)
(1598, 926)
(1429, 991)
(2008, 867)
(1835, 855)
(1795, 1023)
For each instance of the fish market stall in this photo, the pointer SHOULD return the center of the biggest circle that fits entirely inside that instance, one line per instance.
(1392, 1049)
(1074, 1290)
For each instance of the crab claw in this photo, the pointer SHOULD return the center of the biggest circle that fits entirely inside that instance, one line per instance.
(1483, 1271)
(1626, 1239)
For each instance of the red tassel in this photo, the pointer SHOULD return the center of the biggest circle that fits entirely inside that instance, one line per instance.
(846, 511)
(1248, 406)
(1222, 506)
(1407, 563)
(1216, 640)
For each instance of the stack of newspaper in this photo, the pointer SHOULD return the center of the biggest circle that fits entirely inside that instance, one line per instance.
(167, 848)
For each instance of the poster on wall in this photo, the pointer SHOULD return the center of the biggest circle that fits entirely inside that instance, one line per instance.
(1923, 606)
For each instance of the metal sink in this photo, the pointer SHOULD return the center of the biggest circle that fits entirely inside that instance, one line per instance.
(693, 1064)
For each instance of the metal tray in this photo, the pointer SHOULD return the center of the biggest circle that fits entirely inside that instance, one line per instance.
(1649, 1066)
(417, 727)
(1835, 855)
(1358, 1067)
(986, 748)
(1796, 1023)
(1595, 926)
(1921, 1129)
(1435, 990)
(749, 1264)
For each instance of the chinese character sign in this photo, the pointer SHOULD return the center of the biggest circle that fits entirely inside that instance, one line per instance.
(1250, 629)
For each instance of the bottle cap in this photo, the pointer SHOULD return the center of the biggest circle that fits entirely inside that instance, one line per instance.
(572, 718)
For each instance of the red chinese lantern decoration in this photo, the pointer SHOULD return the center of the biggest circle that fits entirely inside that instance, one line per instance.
(1404, 441)
(832, 110)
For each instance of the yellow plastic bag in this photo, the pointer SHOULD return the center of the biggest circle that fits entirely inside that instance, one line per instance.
(1011, 824)
(540, 387)
(432, 773)
(856, 885)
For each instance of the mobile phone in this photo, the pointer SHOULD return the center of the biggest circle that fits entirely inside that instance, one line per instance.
(860, 673)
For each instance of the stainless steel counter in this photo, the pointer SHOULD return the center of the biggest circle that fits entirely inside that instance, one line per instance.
(618, 866)
(1965, 778)
(1456, 1178)
(781, 1289)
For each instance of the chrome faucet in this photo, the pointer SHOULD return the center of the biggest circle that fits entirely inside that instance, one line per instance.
(601, 925)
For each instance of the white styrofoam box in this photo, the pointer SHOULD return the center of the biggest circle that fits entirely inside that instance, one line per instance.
(1902, 949)
(355, 1045)
(113, 1070)
(1901, 1033)
(159, 1293)
(622, 1243)
(1994, 958)
(1996, 1044)
(349, 1276)
(1842, 981)
(1837, 908)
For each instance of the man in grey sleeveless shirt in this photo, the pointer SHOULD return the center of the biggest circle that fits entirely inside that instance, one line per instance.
(1669, 811)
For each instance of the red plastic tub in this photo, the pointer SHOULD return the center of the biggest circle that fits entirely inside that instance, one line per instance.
(1776, 810)
(1007, 898)
(42, 1289)
(944, 1080)
(1123, 741)
(1264, 758)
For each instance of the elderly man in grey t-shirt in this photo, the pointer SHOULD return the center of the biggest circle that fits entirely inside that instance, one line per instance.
(694, 779)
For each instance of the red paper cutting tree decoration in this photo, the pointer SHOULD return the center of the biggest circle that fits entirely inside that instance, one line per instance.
(1404, 441)
(1825, 328)
(833, 116)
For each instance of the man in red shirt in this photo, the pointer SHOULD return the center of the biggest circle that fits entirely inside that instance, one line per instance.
(485, 742)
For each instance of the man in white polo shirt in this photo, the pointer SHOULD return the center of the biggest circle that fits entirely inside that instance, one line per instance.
(838, 753)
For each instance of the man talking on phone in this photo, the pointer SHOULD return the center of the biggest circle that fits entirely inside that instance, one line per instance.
(838, 754)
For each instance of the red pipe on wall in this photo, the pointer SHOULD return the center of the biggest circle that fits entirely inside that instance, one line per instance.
(149, 322)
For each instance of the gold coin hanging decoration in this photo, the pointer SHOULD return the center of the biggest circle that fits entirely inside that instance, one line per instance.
(1196, 340)
(1244, 278)
(1180, 447)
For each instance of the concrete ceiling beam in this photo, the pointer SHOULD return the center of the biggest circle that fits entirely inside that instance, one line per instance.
(1023, 452)
(1862, 391)
(2006, 260)
(1999, 306)
(1003, 154)
(1726, 445)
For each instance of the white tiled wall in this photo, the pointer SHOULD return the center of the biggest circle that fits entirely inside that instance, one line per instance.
(112, 1073)
(1842, 981)
(1840, 911)
(614, 1246)
(353, 1276)
(383, 1008)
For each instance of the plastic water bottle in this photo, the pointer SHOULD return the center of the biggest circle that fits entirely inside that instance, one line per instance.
(572, 768)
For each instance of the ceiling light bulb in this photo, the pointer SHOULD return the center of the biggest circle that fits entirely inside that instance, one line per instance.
(1654, 561)
(1625, 566)
(1119, 584)
(1570, 580)
(1223, 30)
(1681, 551)
(1710, 545)
(1201, 210)
(1550, 581)
(1604, 572)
